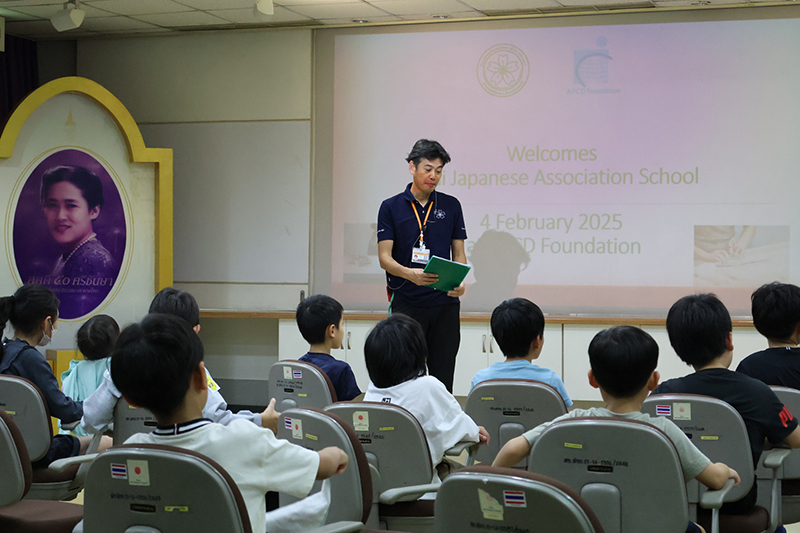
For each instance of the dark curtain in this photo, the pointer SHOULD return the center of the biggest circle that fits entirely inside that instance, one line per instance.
(19, 74)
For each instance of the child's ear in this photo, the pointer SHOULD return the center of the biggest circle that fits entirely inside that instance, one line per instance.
(652, 383)
(592, 380)
(199, 377)
(537, 343)
(332, 330)
(729, 342)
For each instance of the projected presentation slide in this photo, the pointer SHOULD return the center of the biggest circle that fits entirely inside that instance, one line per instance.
(606, 170)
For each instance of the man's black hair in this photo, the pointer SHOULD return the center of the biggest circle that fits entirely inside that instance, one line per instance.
(427, 149)
(395, 351)
(315, 314)
(516, 323)
(698, 327)
(153, 361)
(172, 301)
(96, 337)
(28, 307)
(776, 310)
(623, 358)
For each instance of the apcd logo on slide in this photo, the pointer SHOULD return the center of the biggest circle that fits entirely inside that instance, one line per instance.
(591, 69)
(503, 70)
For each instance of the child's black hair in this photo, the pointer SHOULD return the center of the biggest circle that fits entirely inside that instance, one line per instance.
(153, 361)
(395, 351)
(623, 358)
(776, 310)
(516, 323)
(172, 301)
(315, 314)
(96, 337)
(698, 326)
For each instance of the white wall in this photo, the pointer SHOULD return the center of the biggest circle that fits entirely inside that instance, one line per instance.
(226, 218)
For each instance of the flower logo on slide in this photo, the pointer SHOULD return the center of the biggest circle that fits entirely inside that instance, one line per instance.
(503, 70)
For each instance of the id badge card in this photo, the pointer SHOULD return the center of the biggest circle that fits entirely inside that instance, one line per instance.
(420, 255)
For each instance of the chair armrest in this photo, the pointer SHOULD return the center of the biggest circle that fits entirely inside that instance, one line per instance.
(774, 458)
(339, 527)
(60, 465)
(459, 448)
(392, 496)
(713, 499)
(70, 426)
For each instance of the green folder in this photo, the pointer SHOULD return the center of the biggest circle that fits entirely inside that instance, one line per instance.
(451, 274)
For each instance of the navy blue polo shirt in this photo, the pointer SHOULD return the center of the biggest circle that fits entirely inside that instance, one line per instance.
(397, 222)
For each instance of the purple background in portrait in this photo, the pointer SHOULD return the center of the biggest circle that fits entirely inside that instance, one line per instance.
(35, 249)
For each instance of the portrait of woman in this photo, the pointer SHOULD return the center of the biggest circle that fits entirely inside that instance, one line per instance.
(72, 198)
(70, 230)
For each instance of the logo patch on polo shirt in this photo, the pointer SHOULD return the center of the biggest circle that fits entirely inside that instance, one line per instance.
(439, 214)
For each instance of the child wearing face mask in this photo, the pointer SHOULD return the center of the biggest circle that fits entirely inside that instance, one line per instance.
(33, 314)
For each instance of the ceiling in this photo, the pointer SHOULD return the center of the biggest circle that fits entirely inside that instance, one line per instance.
(30, 18)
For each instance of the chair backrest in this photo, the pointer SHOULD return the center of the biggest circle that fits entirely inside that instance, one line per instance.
(164, 488)
(481, 498)
(130, 420)
(715, 428)
(23, 401)
(297, 384)
(628, 471)
(351, 491)
(791, 399)
(15, 465)
(393, 441)
(507, 408)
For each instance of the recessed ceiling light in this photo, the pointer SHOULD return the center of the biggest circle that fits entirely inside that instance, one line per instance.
(440, 17)
(360, 21)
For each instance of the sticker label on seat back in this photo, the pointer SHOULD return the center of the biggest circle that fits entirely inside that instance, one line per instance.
(138, 473)
(490, 508)
(361, 421)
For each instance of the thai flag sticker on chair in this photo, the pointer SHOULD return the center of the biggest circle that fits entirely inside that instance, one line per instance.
(287, 423)
(119, 471)
(514, 498)
(664, 410)
(297, 374)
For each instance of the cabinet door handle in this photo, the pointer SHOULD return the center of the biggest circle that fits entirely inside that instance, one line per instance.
(348, 339)
(491, 340)
(483, 343)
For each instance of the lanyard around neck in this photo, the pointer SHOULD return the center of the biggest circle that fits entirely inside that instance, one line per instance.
(421, 223)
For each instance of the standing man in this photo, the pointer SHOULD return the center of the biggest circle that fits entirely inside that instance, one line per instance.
(413, 226)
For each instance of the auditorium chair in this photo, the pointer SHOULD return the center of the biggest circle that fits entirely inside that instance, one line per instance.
(297, 384)
(484, 498)
(507, 408)
(23, 401)
(19, 515)
(403, 475)
(790, 472)
(130, 420)
(628, 472)
(151, 488)
(351, 491)
(718, 431)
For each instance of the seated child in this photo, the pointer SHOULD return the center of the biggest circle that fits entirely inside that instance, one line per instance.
(98, 409)
(776, 315)
(96, 338)
(700, 331)
(623, 366)
(33, 314)
(395, 353)
(320, 321)
(158, 364)
(518, 328)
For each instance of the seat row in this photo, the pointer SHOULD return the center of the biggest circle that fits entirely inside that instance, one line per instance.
(613, 464)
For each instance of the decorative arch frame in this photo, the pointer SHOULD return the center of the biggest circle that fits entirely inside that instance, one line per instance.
(137, 152)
